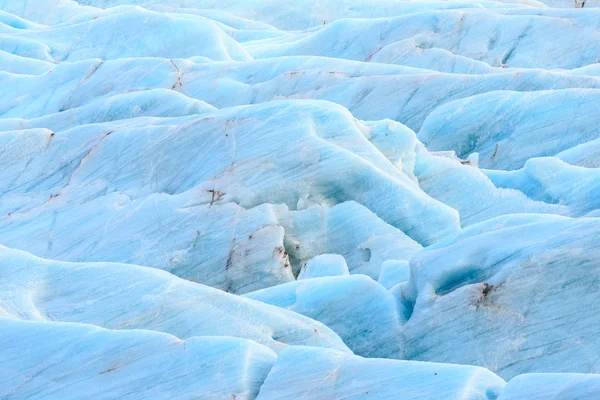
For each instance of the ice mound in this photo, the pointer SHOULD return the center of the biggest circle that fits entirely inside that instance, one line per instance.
(133, 297)
(77, 361)
(334, 375)
(520, 290)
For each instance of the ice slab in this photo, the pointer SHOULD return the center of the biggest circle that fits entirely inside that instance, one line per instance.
(357, 308)
(121, 296)
(519, 290)
(302, 372)
(324, 265)
(75, 361)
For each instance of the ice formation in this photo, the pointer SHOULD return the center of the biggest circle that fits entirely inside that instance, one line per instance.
(284, 199)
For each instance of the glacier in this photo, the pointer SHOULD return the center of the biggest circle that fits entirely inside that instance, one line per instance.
(316, 199)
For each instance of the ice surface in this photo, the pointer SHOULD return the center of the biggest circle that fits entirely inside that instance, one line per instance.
(301, 372)
(293, 15)
(76, 361)
(393, 272)
(348, 229)
(135, 33)
(483, 35)
(221, 198)
(122, 106)
(358, 309)
(245, 164)
(470, 191)
(552, 386)
(520, 290)
(224, 246)
(553, 181)
(133, 297)
(324, 265)
(370, 91)
(502, 126)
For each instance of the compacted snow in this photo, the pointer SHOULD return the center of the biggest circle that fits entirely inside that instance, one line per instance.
(300, 199)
